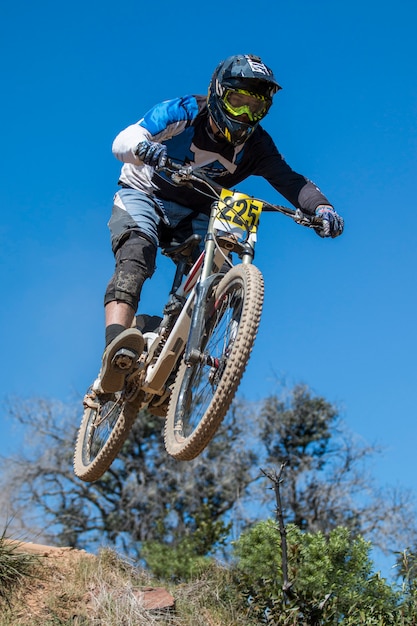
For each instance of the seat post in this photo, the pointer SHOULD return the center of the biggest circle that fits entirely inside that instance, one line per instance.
(182, 264)
(182, 255)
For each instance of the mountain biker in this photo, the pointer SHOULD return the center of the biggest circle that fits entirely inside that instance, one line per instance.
(220, 133)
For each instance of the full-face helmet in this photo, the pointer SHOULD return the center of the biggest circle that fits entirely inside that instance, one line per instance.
(240, 95)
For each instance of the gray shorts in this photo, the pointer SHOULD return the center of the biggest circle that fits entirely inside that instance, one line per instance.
(159, 220)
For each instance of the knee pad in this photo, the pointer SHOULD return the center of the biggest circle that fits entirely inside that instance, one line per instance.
(135, 262)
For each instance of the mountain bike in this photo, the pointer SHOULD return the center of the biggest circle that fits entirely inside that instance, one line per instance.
(196, 353)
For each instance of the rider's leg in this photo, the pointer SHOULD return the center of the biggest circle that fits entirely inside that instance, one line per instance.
(134, 243)
(135, 262)
(117, 314)
(184, 222)
(134, 235)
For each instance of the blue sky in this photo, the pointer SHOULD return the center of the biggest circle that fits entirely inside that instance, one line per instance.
(339, 315)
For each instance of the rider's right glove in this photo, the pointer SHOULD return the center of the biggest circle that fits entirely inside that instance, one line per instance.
(152, 153)
(333, 224)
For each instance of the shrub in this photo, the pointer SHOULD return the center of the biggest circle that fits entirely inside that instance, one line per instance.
(331, 578)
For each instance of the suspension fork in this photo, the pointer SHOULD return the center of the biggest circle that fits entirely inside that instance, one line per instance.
(207, 279)
(192, 351)
(202, 289)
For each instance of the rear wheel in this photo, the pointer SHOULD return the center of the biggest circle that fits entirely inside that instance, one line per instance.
(204, 391)
(105, 426)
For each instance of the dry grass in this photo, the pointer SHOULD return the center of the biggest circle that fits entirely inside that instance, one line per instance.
(15, 567)
(70, 587)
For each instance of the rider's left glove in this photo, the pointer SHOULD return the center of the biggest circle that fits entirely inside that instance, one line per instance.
(332, 225)
(152, 153)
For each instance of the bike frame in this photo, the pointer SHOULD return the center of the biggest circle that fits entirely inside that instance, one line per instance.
(186, 332)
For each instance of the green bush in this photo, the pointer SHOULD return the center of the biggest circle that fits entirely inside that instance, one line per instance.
(176, 563)
(184, 559)
(331, 579)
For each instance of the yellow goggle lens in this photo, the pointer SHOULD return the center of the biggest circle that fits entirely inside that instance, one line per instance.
(239, 102)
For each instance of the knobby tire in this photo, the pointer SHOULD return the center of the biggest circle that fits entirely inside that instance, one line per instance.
(101, 435)
(202, 394)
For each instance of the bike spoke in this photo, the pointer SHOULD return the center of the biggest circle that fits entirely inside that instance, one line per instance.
(221, 330)
(100, 426)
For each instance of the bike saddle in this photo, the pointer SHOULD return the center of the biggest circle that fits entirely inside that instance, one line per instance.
(186, 248)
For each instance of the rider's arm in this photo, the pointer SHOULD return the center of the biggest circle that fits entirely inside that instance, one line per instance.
(160, 123)
(126, 142)
(294, 187)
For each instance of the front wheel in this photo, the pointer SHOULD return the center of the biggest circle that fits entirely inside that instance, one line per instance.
(105, 426)
(203, 391)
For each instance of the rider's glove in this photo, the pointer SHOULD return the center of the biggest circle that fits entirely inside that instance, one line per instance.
(152, 153)
(332, 222)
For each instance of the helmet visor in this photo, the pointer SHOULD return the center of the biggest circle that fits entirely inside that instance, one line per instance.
(239, 102)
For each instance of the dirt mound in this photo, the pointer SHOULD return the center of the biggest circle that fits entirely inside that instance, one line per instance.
(49, 551)
(63, 585)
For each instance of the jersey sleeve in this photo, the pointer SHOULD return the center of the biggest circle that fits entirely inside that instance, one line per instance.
(294, 187)
(160, 123)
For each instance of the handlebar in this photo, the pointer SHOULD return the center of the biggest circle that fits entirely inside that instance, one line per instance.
(181, 174)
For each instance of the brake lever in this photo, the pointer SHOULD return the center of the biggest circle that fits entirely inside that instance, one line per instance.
(182, 175)
(311, 221)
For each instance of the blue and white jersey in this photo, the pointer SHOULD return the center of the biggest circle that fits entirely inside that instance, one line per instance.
(182, 126)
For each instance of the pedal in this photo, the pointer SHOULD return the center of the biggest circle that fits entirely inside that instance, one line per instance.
(90, 401)
(124, 359)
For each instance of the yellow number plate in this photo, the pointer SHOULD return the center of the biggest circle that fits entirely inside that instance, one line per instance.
(239, 211)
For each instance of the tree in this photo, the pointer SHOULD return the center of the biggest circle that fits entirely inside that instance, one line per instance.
(287, 576)
(148, 500)
(327, 481)
(145, 497)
